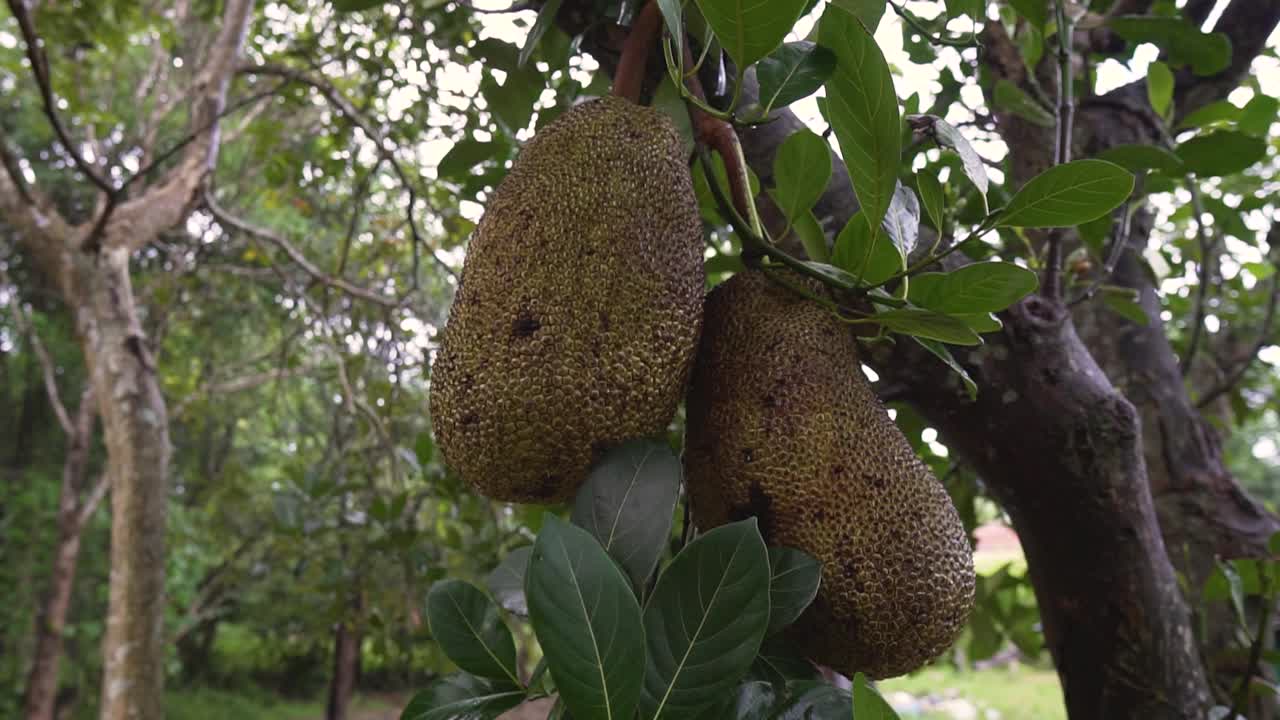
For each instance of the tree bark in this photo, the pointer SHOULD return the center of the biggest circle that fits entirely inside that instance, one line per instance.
(39, 701)
(346, 656)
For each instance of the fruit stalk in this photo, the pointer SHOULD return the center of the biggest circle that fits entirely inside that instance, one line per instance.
(629, 76)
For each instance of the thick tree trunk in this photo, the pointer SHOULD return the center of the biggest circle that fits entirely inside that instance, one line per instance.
(40, 696)
(136, 433)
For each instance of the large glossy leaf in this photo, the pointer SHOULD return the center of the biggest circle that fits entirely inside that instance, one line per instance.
(468, 627)
(1033, 10)
(812, 236)
(462, 697)
(1136, 158)
(867, 703)
(750, 29)
(506, 582)
(794, 71)
(1068, 195)
(932, 198)
(793, 583)
(978, 288)
(705, 621)
(1159, 87)
(942, 353)
(627, 503)
(872, 258)
(587, 621)
(1207, 53)
(1215, 113)
(1011, 98)
(546, 16)
(864, 113)
(1259, 114)
(868, 12)
(928, 324)
(949, 136)
(801, 171)
(1224, 152)
(902, 222)
(465, 155)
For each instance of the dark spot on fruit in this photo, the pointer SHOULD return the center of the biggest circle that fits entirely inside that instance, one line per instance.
(761, 507)
(604, 322)
(876, 481)
(470, 419)
(748, 455)
(819, 515)
(525, 325)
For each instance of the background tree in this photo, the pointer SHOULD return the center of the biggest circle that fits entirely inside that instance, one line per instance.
(223, 219)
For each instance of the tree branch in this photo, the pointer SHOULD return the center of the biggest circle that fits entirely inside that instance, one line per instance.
(296, 255)
(23, 320)
(1248, 24)
(385, 146)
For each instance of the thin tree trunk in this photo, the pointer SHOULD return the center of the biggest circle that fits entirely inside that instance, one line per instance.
(136, 433)
(346, 656)
(73, 514)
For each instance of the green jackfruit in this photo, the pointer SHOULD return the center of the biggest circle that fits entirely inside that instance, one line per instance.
(783, 426)
(575, 323)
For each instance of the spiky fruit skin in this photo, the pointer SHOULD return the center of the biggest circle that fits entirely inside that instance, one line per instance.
(578, 313)
(783, 426)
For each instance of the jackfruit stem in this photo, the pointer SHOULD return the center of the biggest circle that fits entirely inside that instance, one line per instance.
(629, 77)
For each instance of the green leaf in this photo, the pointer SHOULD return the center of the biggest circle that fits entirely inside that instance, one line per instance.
(982, 287)
(815, 700)
(1068, 195)
(1207, 53)
(792, 72)
(1136, 158)
(748, 29)
(812, 236)
(673, 14)
(465, 155)
(902, 222)
(1011, 98)
(1220, 111)
(871, 258)
(928, 324)
(949, 136)
(344, 6)
(1224, 152)
(587, 621)
(627, 503)
(801, 171)
(965, 8)
(753, 700)
(506, 582)
(1033, 10)
(864, 113)
(468, 627)
(980, 322)
(1126, 307)
(461, 697)
(933, 199)
(793, 584)
(705, 621)
(1159, 87)
(546, 16)
(1259, 114)
(867, 703)
(942, 353)
(868, 12)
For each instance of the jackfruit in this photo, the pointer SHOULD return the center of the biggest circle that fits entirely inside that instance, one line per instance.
(575, 322)
(783, 426)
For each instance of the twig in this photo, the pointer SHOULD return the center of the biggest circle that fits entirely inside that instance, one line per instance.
(1264, 334)
(23, 320)
(1051, 285)
(1255, 650)
(914, 22)
(1207, 248)
(1119, 241)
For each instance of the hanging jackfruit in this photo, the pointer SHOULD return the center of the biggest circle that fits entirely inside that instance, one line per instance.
(577, 316)
(783, 426)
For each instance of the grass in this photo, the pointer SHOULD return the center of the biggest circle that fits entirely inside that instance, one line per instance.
(210, 704)
(1016, 692)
